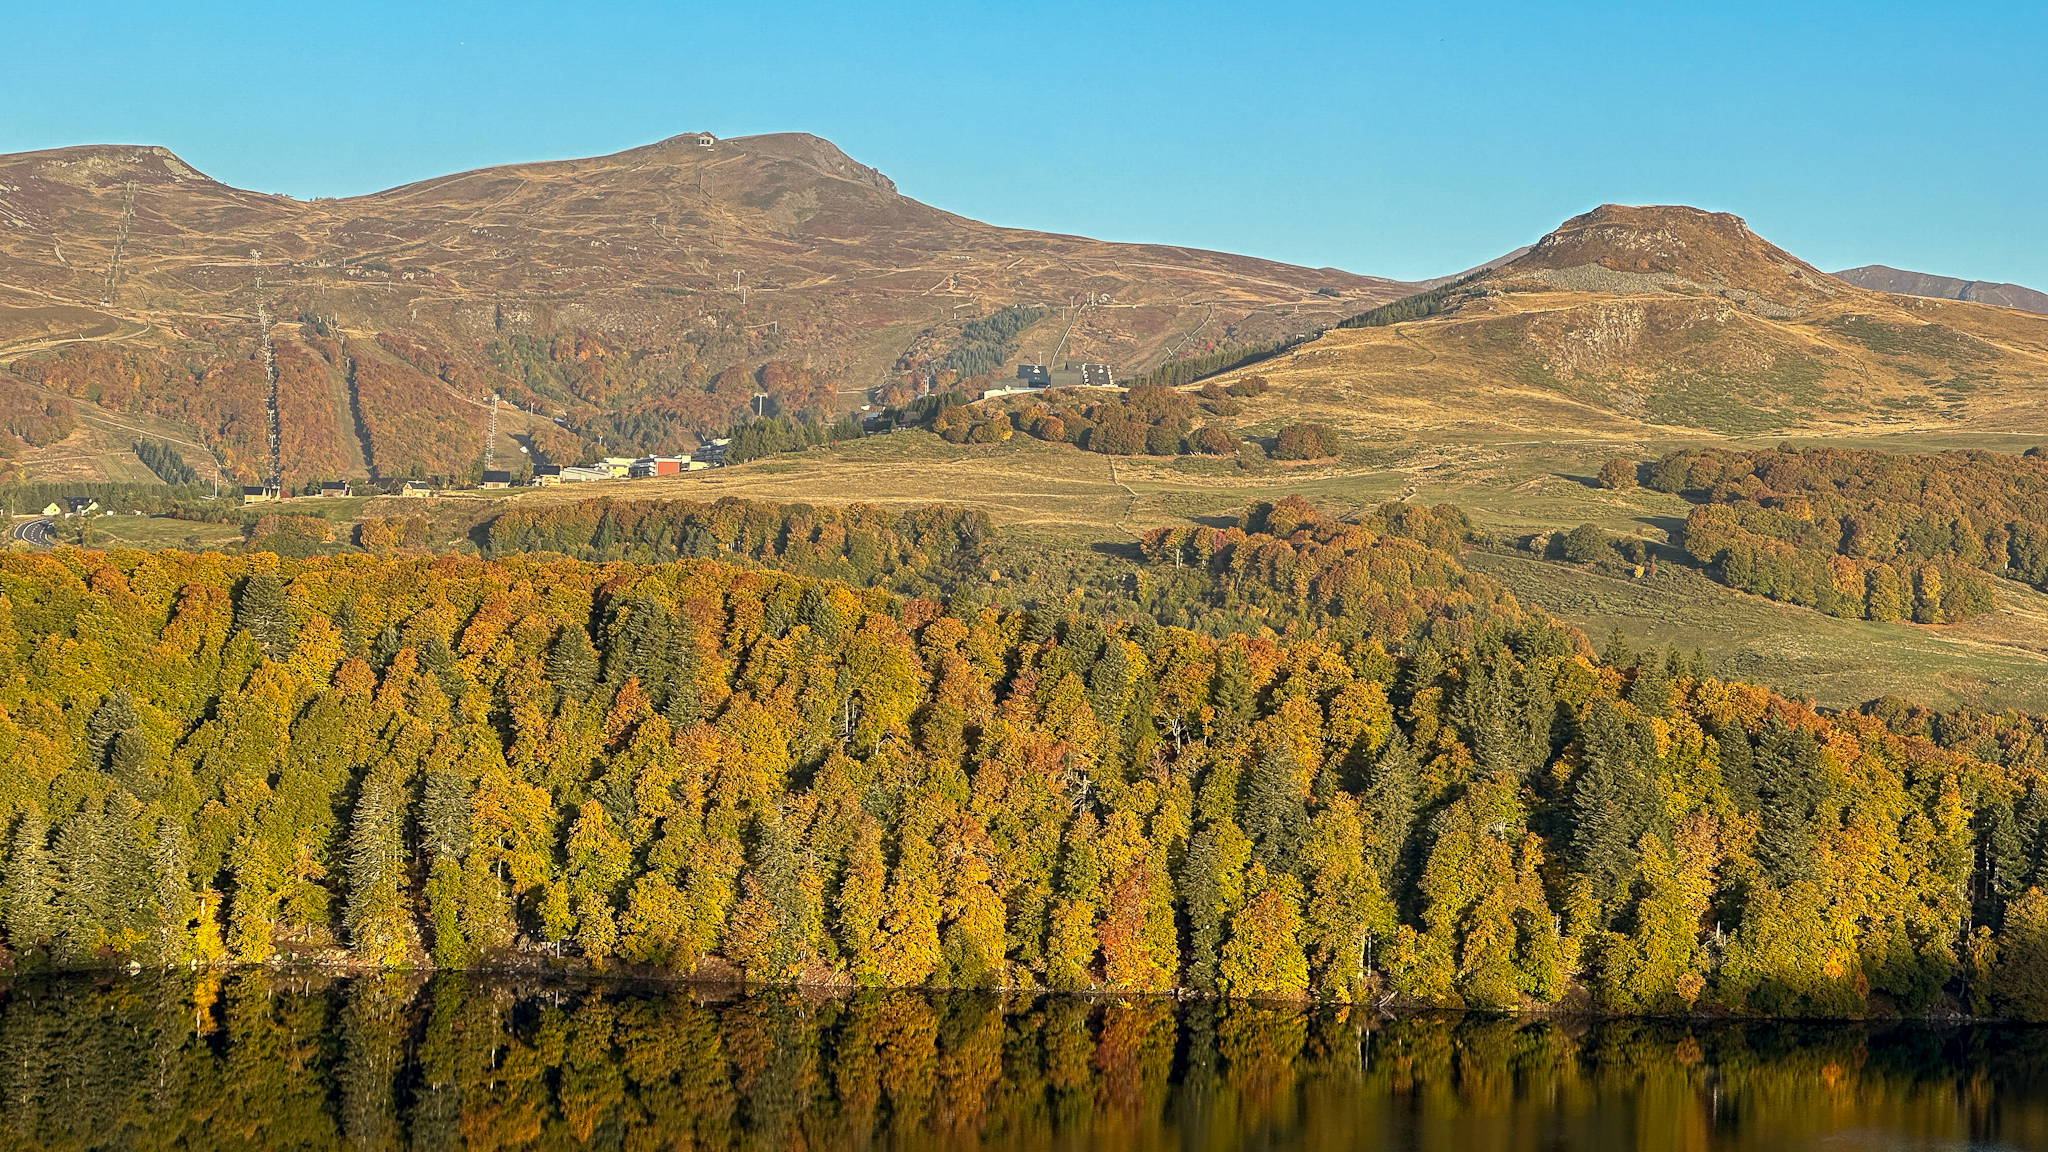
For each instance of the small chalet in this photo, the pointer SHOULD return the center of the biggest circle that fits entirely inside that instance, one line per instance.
(415, 488)
(496, 479)
(257, 494)
(547, 473)
(334, 488)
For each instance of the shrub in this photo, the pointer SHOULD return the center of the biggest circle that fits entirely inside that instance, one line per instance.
(1305, 442)
(1618, 473)
(1162, 440)
(1119, 438)
(1214, 441)
(1585, 544)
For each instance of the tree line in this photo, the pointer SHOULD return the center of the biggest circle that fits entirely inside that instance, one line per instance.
(1417, 790)
(857, 543)
(1868, 534)
(1425, 303)
(1187, 370)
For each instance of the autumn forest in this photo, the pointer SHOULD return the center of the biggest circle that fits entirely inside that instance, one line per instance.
(784, 746)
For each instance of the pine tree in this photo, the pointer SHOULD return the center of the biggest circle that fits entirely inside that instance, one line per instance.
(572, 664)
(263, 611)
(174, 904)
(1617, 654)
(131, 765)
(376, 918)
(1738, 763)
(1613, 799)
(815, 611)
(131, 895)
(82, 910)
(1392, 794)
(1274, 811)
(346, 622)
(115, 715)
(1232, 691)
(2030, 823)
(1212, 883)
(1788, 789)
(31, 884)
(1650, 691)
(445, 828)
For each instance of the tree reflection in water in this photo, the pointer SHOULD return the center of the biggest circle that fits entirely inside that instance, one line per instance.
(258, 1060)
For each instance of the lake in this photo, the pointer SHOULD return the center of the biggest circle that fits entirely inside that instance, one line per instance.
(261, 1060)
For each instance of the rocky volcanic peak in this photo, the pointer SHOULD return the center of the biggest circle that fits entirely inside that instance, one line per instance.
(1619, 248)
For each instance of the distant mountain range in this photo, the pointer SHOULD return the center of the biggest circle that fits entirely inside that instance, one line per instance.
(640, 300)
(615, 292)
(1879, 278)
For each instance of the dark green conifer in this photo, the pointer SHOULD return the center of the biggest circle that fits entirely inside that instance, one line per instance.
(1613, 799)
(375, 914)
(131, 896)
(1617, 654)
(82, 908)
(31, 884)
(1788, 790)
(572, 664)
(639, 644)
(1205, 921)
(263, 611)
(1425, 666)
(1274, 813)
(2030, 824)
(387, 647)
(351, 628)
(1650, 691)
(174, 903)
(2006, 867)
(1392, 793)
(132, 764)
(815, 611)
(1738, 764)
(1231, 691)
(445, 834)
(115, 715)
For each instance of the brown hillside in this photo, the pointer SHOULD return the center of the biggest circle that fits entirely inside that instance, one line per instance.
(1668, 322)
(610, 291)
(1879, 278)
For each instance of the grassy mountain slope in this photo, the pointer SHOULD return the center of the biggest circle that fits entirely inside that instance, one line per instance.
(1879, 278)
(1669, 323)
(676, 261)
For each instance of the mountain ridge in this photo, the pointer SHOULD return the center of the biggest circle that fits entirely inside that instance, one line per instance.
(1882, 278)
(671, 263)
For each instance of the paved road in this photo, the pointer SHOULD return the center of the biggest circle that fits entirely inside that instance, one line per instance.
(36, 532)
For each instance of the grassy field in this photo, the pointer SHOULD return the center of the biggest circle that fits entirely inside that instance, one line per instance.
(1998, 661)
(1064, 507)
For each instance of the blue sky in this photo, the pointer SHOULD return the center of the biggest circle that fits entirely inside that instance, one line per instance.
(1403, 140)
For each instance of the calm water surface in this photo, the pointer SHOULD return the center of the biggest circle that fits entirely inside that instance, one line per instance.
(391, 1062)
